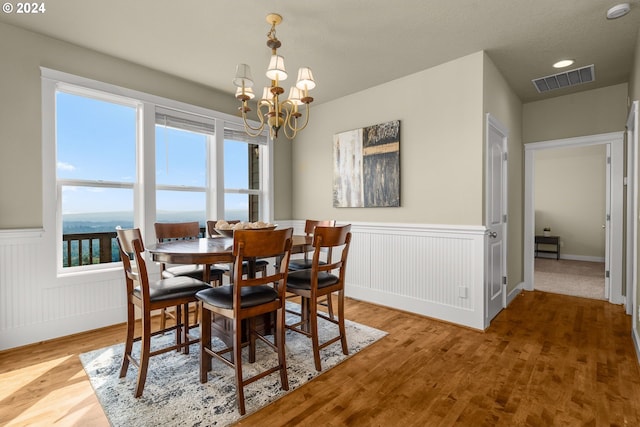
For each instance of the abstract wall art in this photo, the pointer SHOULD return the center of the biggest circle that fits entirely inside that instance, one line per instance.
(366, 171)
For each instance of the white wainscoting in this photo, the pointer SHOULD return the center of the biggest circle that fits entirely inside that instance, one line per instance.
(432, 270)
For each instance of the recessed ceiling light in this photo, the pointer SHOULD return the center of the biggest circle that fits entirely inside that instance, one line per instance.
(563, 63)
(618, 11)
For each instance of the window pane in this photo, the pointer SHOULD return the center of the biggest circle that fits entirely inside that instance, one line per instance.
(241, 165)
(90, 216)
(236, 165)
(236, 206)
(95, 139)
(181, 206)
(181, 157)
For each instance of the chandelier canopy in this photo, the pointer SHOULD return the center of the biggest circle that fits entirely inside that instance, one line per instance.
(271, 111)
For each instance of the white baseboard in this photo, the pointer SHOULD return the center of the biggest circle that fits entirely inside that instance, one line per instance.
(582, 258)
(514, 293)
(636, 343)
(34, 333)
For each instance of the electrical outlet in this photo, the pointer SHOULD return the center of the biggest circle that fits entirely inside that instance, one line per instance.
(463, 291)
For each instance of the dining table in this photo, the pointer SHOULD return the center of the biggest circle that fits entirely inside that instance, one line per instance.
(213, 250)
(209, 250)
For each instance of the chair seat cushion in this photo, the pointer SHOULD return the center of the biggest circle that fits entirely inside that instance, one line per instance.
(173, 287)
(302, 264)
(190, 270)
(222, 296)
(302, 280)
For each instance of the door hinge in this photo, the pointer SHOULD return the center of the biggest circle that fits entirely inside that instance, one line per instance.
(608, 217)
(504, 280)
(606, 274)
(504, 218)
(506, 157)
(608, 160)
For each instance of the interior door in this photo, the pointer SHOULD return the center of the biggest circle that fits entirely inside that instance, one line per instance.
(495, 219)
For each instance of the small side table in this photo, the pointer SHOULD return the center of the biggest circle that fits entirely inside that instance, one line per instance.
(548, 240)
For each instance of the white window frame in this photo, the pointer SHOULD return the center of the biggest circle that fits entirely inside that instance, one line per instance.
(144, 186)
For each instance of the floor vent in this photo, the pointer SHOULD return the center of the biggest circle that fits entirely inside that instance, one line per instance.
(565, 79)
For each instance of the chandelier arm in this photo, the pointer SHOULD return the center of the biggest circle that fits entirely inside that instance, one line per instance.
(306, 118)
(258, 129)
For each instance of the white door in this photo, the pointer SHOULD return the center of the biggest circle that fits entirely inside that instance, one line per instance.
(495, 219)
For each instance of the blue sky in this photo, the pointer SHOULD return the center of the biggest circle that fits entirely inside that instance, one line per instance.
(96, 140)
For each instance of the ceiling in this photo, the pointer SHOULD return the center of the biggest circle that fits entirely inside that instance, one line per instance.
(351, 45)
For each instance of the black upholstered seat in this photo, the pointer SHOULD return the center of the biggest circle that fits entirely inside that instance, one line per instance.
(222, 296)
(302, 279)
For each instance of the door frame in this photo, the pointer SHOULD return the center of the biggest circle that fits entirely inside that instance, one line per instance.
(616, 141)
(632, 212)
(493, 124)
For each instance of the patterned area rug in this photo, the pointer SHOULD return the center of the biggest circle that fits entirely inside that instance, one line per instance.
(174, 396)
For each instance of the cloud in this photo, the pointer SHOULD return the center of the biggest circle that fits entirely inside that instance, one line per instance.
(66, 166)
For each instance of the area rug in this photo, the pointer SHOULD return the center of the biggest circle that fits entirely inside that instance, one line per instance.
(173, 394)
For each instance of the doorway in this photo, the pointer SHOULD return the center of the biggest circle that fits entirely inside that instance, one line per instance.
(613, 220)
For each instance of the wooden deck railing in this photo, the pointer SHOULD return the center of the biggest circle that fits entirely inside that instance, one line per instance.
(92, 248)
(89, 248)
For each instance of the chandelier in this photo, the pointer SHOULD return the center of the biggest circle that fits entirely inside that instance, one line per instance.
(271, 110)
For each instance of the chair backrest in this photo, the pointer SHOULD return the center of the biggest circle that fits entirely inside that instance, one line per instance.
(131, 246)
(329, 239)
(249, 245)
(311, 224)
(211, 226)
(309, 227)
(177, 230)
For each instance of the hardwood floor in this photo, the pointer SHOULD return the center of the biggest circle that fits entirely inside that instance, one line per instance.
(546, 360)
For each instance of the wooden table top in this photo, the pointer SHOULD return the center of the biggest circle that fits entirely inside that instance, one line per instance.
(210, 250)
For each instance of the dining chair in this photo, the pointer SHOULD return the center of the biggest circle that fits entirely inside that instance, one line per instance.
(260, 265)
(309, 226)
(322, 280)
(148, 296)
(180, 231)
(243, 301)
(305, 262)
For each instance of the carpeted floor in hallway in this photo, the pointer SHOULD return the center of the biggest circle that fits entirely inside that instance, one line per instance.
(569, 277)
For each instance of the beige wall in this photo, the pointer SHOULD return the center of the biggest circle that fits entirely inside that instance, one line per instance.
(570, 198)
(22, 54)
(502, 103)
(586, 113)
(634, 77)
(441, 147)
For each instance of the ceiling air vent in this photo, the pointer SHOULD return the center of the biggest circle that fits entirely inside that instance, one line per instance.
(565, 79)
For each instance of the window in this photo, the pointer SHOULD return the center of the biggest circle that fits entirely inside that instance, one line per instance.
(242, 175)
(118, 157)
(96, 170)
(181, 166)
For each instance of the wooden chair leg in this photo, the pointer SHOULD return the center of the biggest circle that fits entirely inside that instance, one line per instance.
(128, 346)
(252, 339)
(185, 328)
(343, 331)
(205, 344)
(313, 323)
(279, 337)
(237, 355)
(145, 348)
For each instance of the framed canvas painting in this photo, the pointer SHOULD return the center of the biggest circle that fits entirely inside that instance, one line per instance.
(366, 170)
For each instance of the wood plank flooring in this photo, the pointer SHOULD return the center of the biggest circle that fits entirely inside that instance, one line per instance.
(546, 360)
